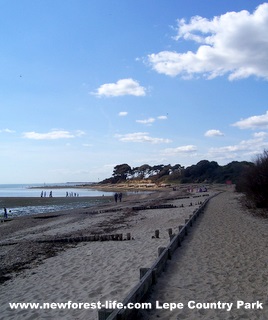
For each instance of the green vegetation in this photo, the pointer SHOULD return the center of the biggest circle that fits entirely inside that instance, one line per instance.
(203, 172)
(254, 183)
(250, 178)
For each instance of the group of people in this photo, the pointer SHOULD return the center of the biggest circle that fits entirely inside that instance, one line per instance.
(44, 194)
(118, 196)
(71, 194)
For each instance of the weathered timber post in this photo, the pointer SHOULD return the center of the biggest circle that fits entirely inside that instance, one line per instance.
(156, 233)
(191, 220)
(160, 250)
(143, 271)
(171, 236)
(154, 276)
(103, 314)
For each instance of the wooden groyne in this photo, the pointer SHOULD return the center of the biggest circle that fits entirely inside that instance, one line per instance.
(148, 276)
(94, 237)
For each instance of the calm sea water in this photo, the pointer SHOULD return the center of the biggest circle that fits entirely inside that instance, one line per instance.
(27, 190)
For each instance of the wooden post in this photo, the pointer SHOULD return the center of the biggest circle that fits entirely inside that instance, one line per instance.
(143, 271)
(157, 233)
(191, 220)
(128, 236)
(171, 236)
(154, 275)
(103, 314)
(170, 231)
(160, 250)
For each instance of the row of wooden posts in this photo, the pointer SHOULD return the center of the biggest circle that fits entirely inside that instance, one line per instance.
(95, 237)
(148, 276)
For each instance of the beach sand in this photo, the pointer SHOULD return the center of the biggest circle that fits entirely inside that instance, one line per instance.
(87, 271)
(225, 258)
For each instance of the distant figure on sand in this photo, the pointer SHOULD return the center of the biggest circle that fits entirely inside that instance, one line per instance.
(120, 196)
(5, 213)
(115, 197)
(50, 194)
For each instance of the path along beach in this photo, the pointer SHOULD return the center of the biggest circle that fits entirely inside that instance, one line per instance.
(223, 259)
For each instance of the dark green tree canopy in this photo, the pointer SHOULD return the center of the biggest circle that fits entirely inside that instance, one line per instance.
(203, 171)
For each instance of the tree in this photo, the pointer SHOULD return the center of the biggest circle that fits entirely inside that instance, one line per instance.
(121, 172)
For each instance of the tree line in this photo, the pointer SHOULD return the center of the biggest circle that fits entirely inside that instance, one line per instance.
(250, 178)
(203, 172)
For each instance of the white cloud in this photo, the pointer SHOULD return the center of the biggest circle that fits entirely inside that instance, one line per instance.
(162, 117)
(79, 133)
(253, 122)
(180, 150)
(260, 134)
(146, 121)
(235, 43)
(7, 131)
(123, 113)
(213, 133)
(140, 137)
(52, 135)
(245, 147)
(121, 88)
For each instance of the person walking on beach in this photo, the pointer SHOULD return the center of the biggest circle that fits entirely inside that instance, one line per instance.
(115, 197)
(120, 196)
(5, 213)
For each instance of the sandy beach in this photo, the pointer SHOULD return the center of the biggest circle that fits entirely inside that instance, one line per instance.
(223, 259)
(85, 271)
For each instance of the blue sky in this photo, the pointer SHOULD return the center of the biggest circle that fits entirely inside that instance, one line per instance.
(89, 84)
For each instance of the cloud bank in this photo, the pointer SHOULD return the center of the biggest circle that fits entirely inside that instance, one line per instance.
(233, 44)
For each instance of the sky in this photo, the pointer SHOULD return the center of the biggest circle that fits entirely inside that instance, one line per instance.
(86, 85)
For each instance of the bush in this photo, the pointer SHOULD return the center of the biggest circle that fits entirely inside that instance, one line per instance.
(255, 181)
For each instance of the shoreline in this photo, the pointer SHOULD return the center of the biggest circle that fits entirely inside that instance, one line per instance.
(27, 206)
(134, 186)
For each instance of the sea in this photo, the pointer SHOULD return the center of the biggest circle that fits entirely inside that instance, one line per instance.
(58, 190)
(18, 205)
